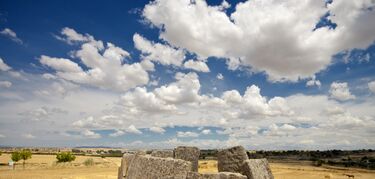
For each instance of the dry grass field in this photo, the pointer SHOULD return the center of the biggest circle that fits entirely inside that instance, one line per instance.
(296, 171)
(44, 167)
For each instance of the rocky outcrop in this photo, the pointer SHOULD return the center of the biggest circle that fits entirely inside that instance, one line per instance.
(231, 159)
(221, 175)
(190, 154)
(162, 153)
(257, 169)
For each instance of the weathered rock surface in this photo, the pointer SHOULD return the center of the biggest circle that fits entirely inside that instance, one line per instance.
(257, 169)
(190, 154)
(221, 175)
(125, 163)
(148, 167)
(162, 153)
(231, 159)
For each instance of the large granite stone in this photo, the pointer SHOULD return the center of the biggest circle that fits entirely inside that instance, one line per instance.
(148, 167)
(221, 175)
(162, 153)
(190, 154)
(257, 169)
(125, 163)
(231, 159)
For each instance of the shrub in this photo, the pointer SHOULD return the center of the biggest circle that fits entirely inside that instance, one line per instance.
(89, 162)
(65, 157)
(16, 156)
(318, 163)
(25, 155)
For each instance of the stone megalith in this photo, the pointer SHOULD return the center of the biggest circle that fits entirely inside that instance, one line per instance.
(162, 153)
(148, 167)
(135, 166)
(221, 175)
(231, 159)
(190, 154)
(257, 169)
(125, 163)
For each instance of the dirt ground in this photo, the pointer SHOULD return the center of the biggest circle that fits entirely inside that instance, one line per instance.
(44, 167)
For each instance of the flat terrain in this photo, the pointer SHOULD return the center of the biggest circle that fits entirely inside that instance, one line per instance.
(300, 171)
(44, 167)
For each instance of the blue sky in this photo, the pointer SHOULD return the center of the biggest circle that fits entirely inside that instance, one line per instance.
(156, 74)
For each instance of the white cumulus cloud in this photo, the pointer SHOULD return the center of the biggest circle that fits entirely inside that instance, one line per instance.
(340, 91)
(105, 63)
(255, 27)
(158, 52)
(197, 66)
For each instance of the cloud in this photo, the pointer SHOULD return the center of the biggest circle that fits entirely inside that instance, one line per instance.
(2, 136)
(11, 35)
(371, 86)
(132, 129)
(184, 90)
(197, 66)
(102, 122)
(60, 64)
(340, 91)
(203, 29)
(139, 101)
(28, 136)
(104, 63)
(253, 103)
(187, 134)
(220, 76)
(3, 66)
(42, 113)
(90, 134)
(156, 129)
(206, 131)
(164, 54)
(313, 82)
(117, 133)
(5, 84)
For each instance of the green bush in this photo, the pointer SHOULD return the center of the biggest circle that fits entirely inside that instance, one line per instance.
(16, 156)
(89, 162)
(65, 157)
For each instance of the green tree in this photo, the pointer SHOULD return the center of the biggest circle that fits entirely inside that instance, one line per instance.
(65, 157)
(25, 155)
(16, 156)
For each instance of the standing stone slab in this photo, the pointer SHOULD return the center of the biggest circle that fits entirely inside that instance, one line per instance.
(190, 154)
(162, 153)
(257, 169)
(221, 175)
(148, 167)
(125, 163)
(231, 159)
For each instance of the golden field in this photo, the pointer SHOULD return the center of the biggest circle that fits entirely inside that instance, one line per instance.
(45, 167)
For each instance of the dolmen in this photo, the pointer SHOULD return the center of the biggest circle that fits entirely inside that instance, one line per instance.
(235, 160)
(182, 163)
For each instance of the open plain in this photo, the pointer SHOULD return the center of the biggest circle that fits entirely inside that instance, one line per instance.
(45, 167)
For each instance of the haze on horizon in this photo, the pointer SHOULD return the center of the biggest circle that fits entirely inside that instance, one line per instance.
(265, 74)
